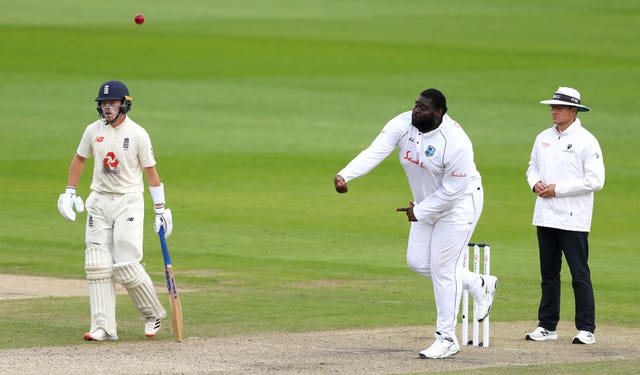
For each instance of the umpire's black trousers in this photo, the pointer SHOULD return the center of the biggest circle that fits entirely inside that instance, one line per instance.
(552, 243)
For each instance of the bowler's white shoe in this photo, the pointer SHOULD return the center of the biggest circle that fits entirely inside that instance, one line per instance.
(483, 302)
(151, 327)
(584, 337)
(99, 335)
(542, 334)
(443, 347)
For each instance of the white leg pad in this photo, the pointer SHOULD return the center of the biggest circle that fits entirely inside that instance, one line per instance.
(138, 284)
(102, 289)
(98, 262)
(102, 299)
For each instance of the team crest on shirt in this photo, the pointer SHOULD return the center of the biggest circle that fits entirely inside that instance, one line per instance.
(569, 148)
(430, 151)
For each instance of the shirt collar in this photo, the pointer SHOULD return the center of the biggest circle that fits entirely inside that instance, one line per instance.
(572, 128)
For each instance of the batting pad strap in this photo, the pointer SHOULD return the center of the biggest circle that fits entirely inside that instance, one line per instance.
(130, 275)
(157, 194)
(97, 262)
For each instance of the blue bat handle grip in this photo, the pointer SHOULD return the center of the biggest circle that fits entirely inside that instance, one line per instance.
(165, 249)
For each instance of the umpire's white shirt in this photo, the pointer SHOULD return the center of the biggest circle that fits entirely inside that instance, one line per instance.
(120, 155)
(439, 164)
(572, 160)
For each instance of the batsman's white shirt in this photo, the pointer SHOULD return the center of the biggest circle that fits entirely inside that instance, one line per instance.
(120, 155)
(439, 164)
(572, 160)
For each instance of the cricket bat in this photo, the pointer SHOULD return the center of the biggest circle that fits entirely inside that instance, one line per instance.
(174, 298)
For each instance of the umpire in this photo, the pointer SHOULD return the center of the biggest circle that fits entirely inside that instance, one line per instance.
(565, 169)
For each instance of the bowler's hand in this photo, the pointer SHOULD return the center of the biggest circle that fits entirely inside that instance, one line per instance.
(341, 186)
(409, 211)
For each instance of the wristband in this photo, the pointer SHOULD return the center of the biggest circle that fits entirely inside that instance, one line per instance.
(157, 194)
(70, 190)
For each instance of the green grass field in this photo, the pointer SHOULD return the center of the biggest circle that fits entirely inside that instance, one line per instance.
(254, 106)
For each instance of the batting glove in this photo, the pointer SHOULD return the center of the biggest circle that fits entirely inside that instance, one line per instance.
(163, 220)
(69, 203)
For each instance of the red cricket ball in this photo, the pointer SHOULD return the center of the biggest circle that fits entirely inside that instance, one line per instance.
(139, 18)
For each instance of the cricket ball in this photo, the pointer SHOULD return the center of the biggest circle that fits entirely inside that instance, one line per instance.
(139, 19)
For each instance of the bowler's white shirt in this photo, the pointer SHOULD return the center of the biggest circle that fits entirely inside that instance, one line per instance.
(572, 160)
(439, 164)
(120, 155)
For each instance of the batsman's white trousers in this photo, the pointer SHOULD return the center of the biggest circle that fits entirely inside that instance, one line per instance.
(435, 251)
(114, 234)
(116, 221)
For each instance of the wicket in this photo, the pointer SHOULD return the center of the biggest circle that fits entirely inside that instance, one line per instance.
(486, 269)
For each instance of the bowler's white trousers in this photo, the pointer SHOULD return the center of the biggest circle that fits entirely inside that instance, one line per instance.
(435, 250)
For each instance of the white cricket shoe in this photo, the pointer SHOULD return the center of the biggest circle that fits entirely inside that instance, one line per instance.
(443, 347)
(99, 335)
(482, 304)
(542, 334)
(151, 327)
(584, 337)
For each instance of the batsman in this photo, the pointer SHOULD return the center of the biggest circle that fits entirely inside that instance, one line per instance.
(115, 212)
